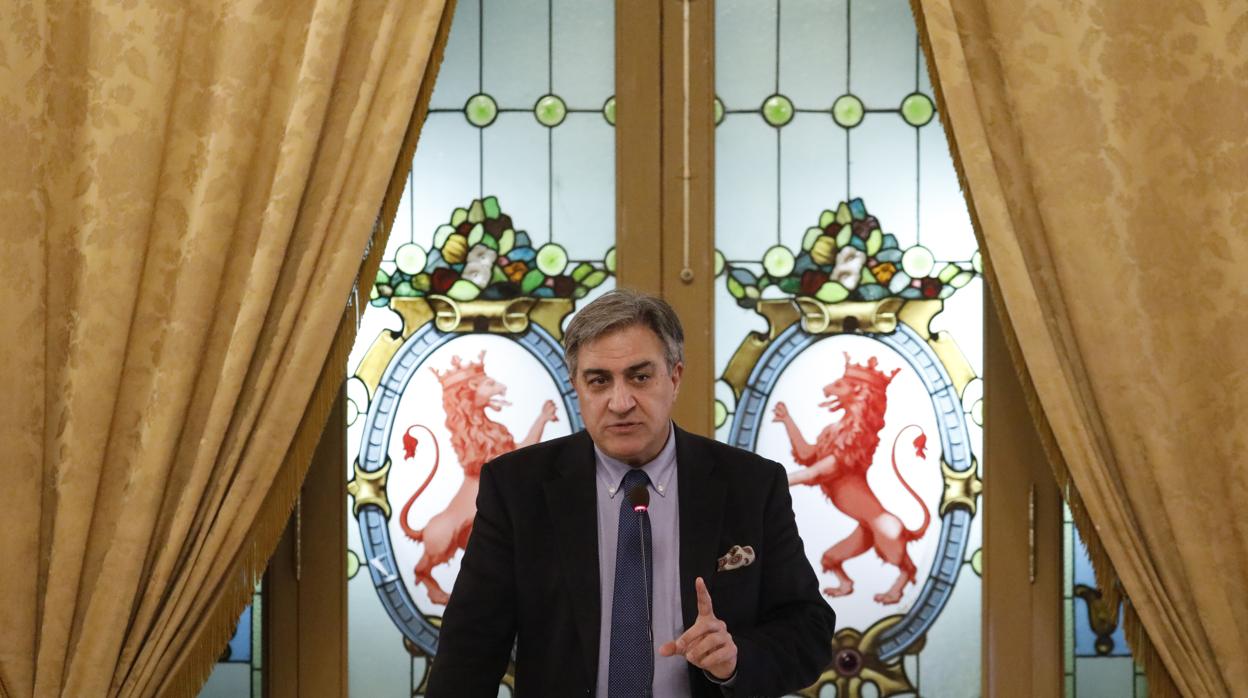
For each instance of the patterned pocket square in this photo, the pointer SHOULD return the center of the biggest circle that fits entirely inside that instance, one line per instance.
(738, 556)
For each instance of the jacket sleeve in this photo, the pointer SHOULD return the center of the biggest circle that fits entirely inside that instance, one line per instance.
(479, 626)
(791, 645)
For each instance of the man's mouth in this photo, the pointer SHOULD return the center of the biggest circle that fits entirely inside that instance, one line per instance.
(623, 426)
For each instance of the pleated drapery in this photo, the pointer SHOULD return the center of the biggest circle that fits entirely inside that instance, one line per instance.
(1103, 150)
(189, 191)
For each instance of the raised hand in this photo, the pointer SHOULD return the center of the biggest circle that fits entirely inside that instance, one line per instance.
(548, 412)
(707, 644)
(782, 412)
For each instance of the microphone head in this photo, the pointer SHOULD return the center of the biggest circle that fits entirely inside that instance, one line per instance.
(639, 498)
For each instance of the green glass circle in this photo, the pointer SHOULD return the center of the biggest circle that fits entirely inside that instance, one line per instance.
(552, 259)
(977, 561)
(550, 111)
(481, 110)
(353, 564)
(719, 111)
(917, 109)
(847, 111)
(977, 262)
(918, 262)
(778, 110)
(778, 261)
(719, 263)
(721, 414)
(410, 258)
(608, 110)
(609, 262)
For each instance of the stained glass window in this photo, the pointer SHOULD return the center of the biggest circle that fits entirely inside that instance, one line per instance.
(848, 327)
(239, 671)
(1098, 662)
(507, 225)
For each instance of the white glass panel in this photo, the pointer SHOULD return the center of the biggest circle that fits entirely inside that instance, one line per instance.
(228, 681)
(882, 54)
(812, 43)
(458, 76)
(882, 170)
(813, 176)
(943, 217)
(1105, 677)
(745, 52)
(516, 51)
(584, 52)
(446, 173)
(584, 191)
(517, 169)
(745, 186)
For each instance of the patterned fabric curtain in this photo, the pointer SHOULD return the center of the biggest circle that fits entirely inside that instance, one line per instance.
(1103, 149)
(188, 191)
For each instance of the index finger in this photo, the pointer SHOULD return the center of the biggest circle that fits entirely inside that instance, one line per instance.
(704, 599)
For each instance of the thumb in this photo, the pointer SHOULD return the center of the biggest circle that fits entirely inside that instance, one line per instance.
(668, 649)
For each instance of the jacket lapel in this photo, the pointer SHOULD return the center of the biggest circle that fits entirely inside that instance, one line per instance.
(701, 514)
(571, 498)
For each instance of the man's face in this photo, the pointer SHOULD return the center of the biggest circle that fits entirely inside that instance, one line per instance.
(626, 393)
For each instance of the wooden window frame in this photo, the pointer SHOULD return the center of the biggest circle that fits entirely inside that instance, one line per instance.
(305, 607)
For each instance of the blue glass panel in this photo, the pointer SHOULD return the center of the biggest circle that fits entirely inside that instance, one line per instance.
(1085, 637)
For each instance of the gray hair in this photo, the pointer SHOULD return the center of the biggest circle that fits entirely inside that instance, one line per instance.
(621, 308)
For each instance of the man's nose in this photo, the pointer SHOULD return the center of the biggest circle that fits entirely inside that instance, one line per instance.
(621, 399)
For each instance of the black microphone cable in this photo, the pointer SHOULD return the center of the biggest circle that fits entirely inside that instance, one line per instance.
(640, 500)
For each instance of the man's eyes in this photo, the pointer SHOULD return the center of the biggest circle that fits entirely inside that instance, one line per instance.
(599, 381)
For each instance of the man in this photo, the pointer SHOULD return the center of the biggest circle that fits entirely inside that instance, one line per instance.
(702, 591)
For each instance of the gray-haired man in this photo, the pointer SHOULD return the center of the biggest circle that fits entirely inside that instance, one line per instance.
(633, 558)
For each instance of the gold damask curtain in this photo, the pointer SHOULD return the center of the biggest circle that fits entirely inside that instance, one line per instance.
(187, 192)
(1104, 153)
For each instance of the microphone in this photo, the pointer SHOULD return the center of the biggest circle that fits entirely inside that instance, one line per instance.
(639, 499)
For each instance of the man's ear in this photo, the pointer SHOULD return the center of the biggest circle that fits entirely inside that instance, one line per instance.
(677, 371)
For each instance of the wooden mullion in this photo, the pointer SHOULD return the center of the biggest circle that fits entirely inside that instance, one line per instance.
(1022, 589)
(638, 135)
(305, 586)
(688, 265)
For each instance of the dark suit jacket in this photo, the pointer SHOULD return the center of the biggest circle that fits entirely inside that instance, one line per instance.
(530, 574)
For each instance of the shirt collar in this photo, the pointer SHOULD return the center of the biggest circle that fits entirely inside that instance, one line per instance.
(659, 470)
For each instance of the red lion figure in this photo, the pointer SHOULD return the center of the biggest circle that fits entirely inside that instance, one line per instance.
(838, 461)
(466, 394)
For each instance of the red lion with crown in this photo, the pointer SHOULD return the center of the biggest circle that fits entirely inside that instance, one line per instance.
(838, 461)
(466, 394)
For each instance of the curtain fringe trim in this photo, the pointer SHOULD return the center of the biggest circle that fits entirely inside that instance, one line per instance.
(217, 629)
(1160, 683)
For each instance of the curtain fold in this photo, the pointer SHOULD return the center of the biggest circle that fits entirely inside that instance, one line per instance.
(190, 192)
(1103, 151)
